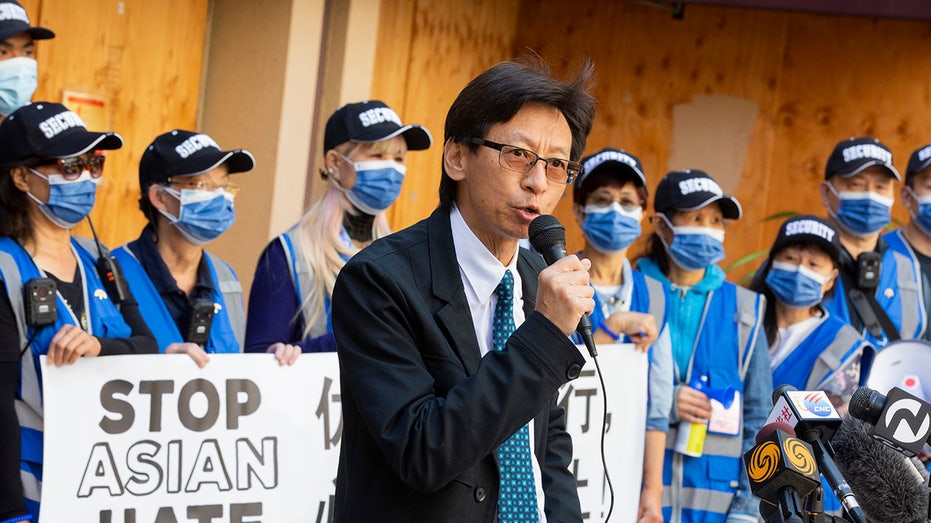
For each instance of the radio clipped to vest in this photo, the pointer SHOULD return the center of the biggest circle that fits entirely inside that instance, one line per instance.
(199, 323)
(109, 271)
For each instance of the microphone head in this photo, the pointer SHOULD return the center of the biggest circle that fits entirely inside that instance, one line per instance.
(780, 390)
(890, 487)
(545, 231)
(769, 428)
(866, 405)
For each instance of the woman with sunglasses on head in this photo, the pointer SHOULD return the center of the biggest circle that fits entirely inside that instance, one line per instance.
(365, 147)
(191, 299)
(610, 197)
(50, 167)
(716, 345)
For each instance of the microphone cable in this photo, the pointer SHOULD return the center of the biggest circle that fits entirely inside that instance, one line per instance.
(604, 430)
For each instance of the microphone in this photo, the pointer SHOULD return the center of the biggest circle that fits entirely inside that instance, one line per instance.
(890, 484)
(900, 420)
(782, 470)
(548, 237)
(814, 419)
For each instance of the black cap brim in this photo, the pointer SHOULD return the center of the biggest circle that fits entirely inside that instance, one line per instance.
(37, 33)
(730, 207)
(890, 169)
(80, 143)
(417, 137)
(236, 161)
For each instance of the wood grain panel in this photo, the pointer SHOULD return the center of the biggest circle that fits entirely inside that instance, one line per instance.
(145, 58)
(428, 50)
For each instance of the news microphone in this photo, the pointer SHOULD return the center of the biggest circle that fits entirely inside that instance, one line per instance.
(782, 470)
(900, 420)
(812, 416)
(548, 237)
(889, 485)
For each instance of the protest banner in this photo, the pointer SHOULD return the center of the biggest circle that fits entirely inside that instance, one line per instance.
(139, 439)
(155, 439)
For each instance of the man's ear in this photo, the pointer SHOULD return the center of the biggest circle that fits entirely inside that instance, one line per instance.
(454, 159)
(579, 212)
(156, 197)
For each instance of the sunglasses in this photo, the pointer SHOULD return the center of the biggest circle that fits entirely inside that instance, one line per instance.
(71, 168)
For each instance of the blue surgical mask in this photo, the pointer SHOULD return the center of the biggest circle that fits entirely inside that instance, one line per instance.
(204, 215)
(610, 228)
(862, 213)
(794, 285)
(378, 184)
(69, 201)
(923, 217)
(18, 80)
(694, 248)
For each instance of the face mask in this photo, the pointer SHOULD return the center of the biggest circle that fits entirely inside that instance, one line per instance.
(204, 215)
(794, 285)
(610, 229)
(923, 217)
(69, 202)
(18, 80)
(378, 184)
(862, 213)
(695, 248)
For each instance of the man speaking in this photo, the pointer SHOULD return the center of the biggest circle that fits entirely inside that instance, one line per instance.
(452, 341)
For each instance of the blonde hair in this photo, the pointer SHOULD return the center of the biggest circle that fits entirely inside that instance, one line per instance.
(319, 242)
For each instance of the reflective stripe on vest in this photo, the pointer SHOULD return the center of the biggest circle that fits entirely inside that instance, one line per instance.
(703, 487)
(302, 277)
(905, 304)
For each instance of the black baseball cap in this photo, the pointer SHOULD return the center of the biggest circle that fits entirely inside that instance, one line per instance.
(918, 161)
(805, 229)
(186, 153)
(48, 130)
(855, 154)
(690, 190)
(372, 121)
(608, 160)
(14, 20)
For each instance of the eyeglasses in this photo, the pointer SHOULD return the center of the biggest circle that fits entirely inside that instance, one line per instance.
(72, 168)
(205, 185)
(522, 161)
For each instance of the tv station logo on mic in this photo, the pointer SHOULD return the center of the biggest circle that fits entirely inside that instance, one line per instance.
(806, 405)
(781, 460)
(906, 418)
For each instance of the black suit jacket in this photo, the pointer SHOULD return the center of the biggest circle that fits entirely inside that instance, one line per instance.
(422, 411)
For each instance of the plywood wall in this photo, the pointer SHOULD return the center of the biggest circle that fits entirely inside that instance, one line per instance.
(757, 98)
(145, 59)
(428, 50)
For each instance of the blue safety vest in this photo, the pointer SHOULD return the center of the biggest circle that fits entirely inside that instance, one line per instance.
(898, 293)
(104, 321)
(647, 297)
(906, 308)
(229, 326)
(700, 489)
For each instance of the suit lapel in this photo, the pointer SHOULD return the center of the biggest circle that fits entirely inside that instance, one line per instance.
(454, 316)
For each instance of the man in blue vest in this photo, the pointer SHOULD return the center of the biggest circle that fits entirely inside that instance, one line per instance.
(18, 67)
(858, 193)
(191, 299)
(912, 242)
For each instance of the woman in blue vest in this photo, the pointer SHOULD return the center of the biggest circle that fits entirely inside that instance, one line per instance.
(717, 344)
(50, 166)
(808, 347)
(191, 299)
(609, 199)
(365, 146)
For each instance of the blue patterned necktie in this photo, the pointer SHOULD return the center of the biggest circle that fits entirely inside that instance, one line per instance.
(517, 499)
